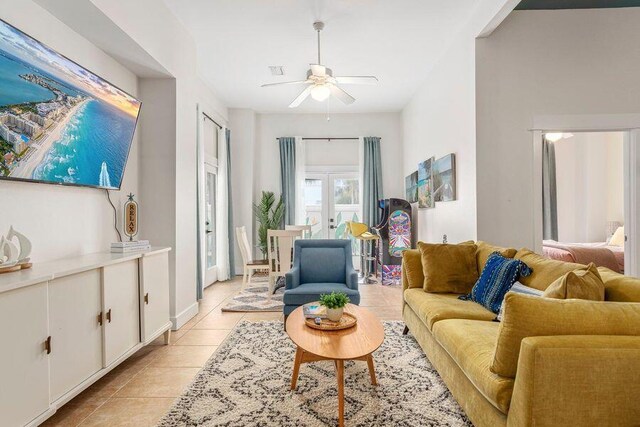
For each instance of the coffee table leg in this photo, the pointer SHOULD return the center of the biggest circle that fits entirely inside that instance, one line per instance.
(340, 366)
(372, 371)
(296, 367)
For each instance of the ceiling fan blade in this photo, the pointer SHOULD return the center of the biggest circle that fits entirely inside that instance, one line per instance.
(285, 83)
(305, 93)
(318, 70)
(341, 94)
(357, 80)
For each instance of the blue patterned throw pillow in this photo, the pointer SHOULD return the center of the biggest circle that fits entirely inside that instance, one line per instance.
(497, 277)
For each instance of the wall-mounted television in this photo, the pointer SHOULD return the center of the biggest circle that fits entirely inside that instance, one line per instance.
(59, 122)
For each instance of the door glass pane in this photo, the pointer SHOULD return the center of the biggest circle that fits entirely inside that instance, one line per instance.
(313, 192)
(210, 219)
(346, 194)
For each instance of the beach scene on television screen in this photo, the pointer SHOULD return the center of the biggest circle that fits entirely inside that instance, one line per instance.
(59, 122)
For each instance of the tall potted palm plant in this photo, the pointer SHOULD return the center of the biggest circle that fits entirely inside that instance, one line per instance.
(270, 215)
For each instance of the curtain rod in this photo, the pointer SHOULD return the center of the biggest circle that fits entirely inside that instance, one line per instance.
(209, 117)
(328, 138)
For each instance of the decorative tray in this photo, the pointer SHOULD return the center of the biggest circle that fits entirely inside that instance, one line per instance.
(346, 321)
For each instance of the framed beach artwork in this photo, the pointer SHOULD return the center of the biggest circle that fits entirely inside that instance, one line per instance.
(425, 184)
(444, 178)
(411, 187)
(59, 122)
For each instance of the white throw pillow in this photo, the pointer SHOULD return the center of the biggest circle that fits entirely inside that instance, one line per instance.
(520, 289)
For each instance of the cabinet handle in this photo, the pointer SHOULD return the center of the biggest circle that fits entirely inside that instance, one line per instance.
(146, 298)
(109, 316)
(100, 319)
(47, 344)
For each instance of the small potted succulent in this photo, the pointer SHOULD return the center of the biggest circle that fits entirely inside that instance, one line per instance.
(335, 302)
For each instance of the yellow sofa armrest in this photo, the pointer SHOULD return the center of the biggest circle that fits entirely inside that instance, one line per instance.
(579, 380)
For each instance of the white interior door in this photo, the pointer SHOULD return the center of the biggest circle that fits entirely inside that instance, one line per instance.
(209, 227)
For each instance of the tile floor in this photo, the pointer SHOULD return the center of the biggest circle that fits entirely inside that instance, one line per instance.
(142, 389)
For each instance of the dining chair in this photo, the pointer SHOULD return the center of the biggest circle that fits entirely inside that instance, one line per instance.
(280, 250)
(306, 230)
(250, 266)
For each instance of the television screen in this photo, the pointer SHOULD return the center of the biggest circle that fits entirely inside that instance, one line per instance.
(60, 123)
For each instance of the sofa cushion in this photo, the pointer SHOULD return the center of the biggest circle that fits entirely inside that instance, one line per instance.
(543, 271)
(432, 308)
(527, 316)
(322, 264)
(471, 344)
(448, 268)
(584, 283)
(310, 292)
(412, 265)
(498, 276)
(618, 287)
(485, 249)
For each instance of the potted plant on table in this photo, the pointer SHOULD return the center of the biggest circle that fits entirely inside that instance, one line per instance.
(335, 302)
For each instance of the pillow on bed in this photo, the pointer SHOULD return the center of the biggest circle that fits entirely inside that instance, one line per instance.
(618, 237)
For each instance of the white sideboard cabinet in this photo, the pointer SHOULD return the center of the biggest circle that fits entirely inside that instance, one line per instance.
(67, 323)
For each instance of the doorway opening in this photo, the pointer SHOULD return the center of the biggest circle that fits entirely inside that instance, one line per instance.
(583, 198)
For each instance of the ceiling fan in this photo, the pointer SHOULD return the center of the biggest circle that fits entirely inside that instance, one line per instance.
(321, 83)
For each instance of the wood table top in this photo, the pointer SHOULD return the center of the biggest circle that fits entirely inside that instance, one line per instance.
(346, 344)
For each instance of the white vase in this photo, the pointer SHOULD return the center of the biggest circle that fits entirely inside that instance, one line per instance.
(335, 314)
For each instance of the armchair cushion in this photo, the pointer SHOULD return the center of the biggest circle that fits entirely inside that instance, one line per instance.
(310, 292)
(322, 264)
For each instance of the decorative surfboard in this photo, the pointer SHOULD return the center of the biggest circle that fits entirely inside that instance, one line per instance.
(399, 233)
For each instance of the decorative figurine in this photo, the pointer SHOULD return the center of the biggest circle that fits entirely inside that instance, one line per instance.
(131, 218)
(14, 257)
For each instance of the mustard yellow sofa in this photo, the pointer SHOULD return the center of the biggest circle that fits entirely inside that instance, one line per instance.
(562, 378)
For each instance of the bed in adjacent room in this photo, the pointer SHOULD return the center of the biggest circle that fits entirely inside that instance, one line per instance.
(602, 254)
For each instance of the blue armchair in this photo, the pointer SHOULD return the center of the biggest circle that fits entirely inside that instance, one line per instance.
(320, 266)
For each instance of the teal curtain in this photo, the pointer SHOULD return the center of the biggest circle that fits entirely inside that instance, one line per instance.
(549, 192)
(372, 185)
(232, 262)
(288, 177)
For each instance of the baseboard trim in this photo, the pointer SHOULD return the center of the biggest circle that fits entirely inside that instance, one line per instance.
(186, 315)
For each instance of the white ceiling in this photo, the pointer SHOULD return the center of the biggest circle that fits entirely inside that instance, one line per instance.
(395, 40)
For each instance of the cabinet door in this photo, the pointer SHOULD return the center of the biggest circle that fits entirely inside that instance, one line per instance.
(155, 294)
(74, 307)
(24, 365)
(121, 308)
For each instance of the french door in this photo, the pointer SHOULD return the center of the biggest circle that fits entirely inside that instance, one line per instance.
(332, 199)
(210, 194)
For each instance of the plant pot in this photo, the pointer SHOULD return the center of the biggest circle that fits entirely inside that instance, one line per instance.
(335, 314)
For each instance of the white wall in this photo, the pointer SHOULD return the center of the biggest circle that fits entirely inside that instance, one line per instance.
(161, 35)
(385, 125)
(590, 188)
(440, 119)
(65, 221)
(543, 63)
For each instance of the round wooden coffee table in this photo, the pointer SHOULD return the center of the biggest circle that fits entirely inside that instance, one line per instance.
(356, 343)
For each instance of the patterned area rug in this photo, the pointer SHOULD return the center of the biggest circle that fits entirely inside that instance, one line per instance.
(246, 383)
(256, 297)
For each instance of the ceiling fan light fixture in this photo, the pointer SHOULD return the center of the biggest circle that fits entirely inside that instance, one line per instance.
(320, 92)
